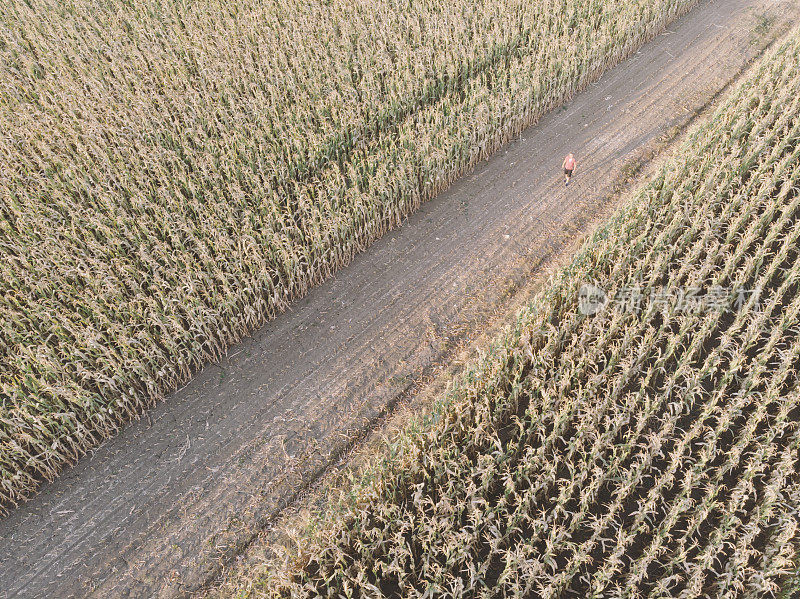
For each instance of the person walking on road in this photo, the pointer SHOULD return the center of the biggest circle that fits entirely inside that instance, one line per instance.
(569, 166)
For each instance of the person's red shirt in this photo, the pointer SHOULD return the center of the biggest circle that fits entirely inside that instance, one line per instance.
(569, 163)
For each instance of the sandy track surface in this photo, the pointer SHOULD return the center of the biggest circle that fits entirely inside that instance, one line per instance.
(155, 510)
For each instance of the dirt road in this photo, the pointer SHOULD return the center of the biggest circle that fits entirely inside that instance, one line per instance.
(153, 511)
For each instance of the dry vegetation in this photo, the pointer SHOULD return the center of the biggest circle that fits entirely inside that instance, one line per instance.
(173, 173)
(632, 453)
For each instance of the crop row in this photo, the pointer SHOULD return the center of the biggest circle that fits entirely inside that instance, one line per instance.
(172, 174)
(650, 452)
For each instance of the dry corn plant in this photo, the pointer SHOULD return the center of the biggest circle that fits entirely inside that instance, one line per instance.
(173, 174)
(637, 453)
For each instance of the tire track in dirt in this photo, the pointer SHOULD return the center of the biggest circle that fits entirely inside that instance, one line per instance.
(154, 510)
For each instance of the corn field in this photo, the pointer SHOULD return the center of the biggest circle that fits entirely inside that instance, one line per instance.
(173, 173)
(630, 453)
